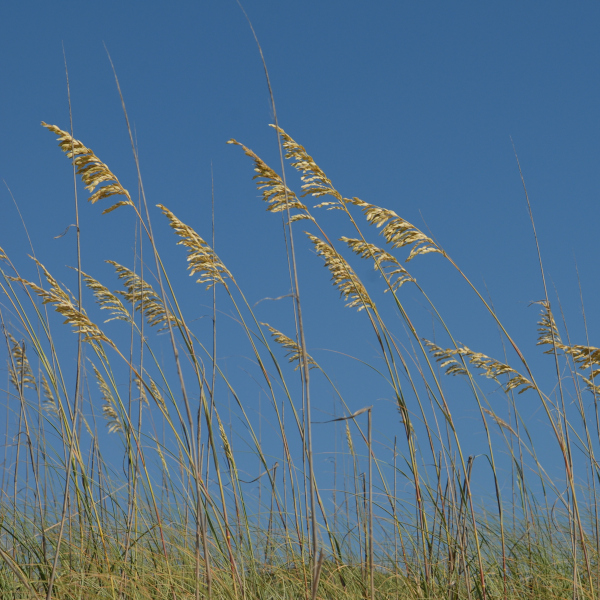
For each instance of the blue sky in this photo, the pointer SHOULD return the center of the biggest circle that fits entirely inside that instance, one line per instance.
(407, 105)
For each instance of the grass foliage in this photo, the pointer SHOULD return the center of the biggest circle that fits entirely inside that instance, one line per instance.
(174, 517)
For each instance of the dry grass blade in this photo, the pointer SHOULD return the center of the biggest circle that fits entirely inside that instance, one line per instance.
(92, 170)
(106, 299)
(397, 231)
(446, 358)
(65, 306)
(585, 357)
(226, 445)
(158, 398)
(113, 420)
(49, 404)
(397, 275)
(16, 569)
(491, 368)
(316, 183)
(274, 192)
(547, 329)
(500, 422)
(294, 352)
(19, 369)
(317, 575)
(202, 258)
(349, 438)
(143, 297)
(344, 278)
(142, 389)
(108, 408)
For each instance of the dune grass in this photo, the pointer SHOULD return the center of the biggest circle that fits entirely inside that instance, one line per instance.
(173, 517)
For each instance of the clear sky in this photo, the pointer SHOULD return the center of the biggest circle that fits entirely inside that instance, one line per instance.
(408, 105)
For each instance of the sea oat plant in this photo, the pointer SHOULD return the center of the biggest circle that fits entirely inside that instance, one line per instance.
(177, 516)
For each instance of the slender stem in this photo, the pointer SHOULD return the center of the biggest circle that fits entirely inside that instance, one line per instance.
(69, 464)
(300, 332)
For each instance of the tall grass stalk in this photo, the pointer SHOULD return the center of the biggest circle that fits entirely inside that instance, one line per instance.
(73, 440)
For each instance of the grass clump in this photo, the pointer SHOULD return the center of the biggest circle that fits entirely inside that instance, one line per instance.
(173, 516)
